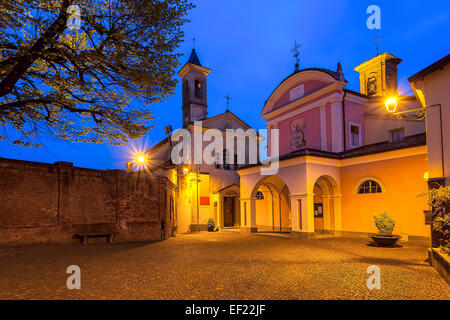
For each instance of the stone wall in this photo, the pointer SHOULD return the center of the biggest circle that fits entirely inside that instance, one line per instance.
(51, 202)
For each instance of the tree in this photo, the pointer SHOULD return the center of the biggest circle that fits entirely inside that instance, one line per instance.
(82, 83)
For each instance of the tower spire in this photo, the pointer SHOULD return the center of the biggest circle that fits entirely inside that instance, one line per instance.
(193, 59)
(194, 75)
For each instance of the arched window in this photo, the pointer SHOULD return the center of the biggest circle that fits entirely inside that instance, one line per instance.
(198, 89)
(259, 195)
(217, 160)
(226, 160)
(369, 186)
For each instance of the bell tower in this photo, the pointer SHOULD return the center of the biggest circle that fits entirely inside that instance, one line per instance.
(378, 76)
(194, 90)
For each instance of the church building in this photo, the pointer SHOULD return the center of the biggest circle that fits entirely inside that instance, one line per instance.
(205, 191)
(343, 156)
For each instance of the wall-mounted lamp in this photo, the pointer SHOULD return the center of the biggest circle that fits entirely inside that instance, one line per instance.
(140, 159)
(391, 105)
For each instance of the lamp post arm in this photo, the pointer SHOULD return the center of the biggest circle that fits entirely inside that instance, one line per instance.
(417, 111)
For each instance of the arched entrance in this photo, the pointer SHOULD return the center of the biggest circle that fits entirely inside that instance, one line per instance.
(230, 216)
(325, 191)
(271, 200)
(229, 211)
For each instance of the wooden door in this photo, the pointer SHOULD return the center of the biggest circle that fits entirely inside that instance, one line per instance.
(228, 211)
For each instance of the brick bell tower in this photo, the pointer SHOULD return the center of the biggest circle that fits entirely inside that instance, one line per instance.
(194, 90)
(378, 76)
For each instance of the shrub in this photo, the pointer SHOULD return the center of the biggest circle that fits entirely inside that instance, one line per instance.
(384, 223)
(211, 223)
(439, 199)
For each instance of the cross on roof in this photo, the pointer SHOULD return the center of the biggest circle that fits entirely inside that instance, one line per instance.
(377, 40)
(194, 41)
(295, 50)
(227, 97)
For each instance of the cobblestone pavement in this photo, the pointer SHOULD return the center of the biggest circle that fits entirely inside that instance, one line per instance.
(223, 265)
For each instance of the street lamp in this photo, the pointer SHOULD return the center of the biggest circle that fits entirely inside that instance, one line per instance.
(140, 159)
(391, 105)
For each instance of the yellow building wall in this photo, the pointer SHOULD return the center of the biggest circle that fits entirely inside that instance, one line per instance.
(206, 211)
(264, 213)
(404, 182)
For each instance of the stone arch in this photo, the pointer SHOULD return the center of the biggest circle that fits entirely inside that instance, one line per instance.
(326, 201)
(272, 213)
(229, 208)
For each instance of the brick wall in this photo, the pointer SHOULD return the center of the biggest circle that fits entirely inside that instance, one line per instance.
(51, 202)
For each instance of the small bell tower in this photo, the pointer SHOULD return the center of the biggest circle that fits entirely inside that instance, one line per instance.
(378, 76)
(194, 90)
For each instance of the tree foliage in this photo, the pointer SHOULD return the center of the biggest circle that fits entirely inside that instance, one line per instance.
(439, 200)
(81, 84)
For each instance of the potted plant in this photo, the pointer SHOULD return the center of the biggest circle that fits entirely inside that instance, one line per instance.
(385, 225)
(211, 224)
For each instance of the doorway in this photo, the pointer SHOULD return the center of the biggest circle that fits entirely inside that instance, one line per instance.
(324, 219)
(228, 211)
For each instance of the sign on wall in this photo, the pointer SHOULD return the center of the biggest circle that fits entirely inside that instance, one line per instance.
(296, 92)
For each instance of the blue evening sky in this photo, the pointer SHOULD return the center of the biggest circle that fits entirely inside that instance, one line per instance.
(247, 45)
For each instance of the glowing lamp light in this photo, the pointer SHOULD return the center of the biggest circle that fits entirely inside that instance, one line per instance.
(140, 159)
(391, 105)
(185, 171)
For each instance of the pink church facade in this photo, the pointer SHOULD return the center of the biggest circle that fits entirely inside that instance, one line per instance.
(343, 158)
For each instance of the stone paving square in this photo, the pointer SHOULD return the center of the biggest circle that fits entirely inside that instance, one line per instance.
(221, 265)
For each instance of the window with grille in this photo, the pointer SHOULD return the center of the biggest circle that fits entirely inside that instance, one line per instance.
(226, 160)
(259, 195)
(217, 160)
(369, 186)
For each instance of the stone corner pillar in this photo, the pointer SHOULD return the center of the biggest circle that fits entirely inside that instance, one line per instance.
(248, 215)
(302, 216)
(337, 211)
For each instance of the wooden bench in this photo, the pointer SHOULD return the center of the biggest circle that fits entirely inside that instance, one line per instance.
(84, 236)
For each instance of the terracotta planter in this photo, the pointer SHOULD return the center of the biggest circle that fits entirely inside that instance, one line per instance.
(385, 241)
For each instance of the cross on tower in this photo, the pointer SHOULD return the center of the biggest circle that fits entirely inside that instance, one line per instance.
(227, 97)
(377, 40)
(194, 41)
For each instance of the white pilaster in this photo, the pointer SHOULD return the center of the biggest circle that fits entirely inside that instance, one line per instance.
(336, 127)
(323, 129)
